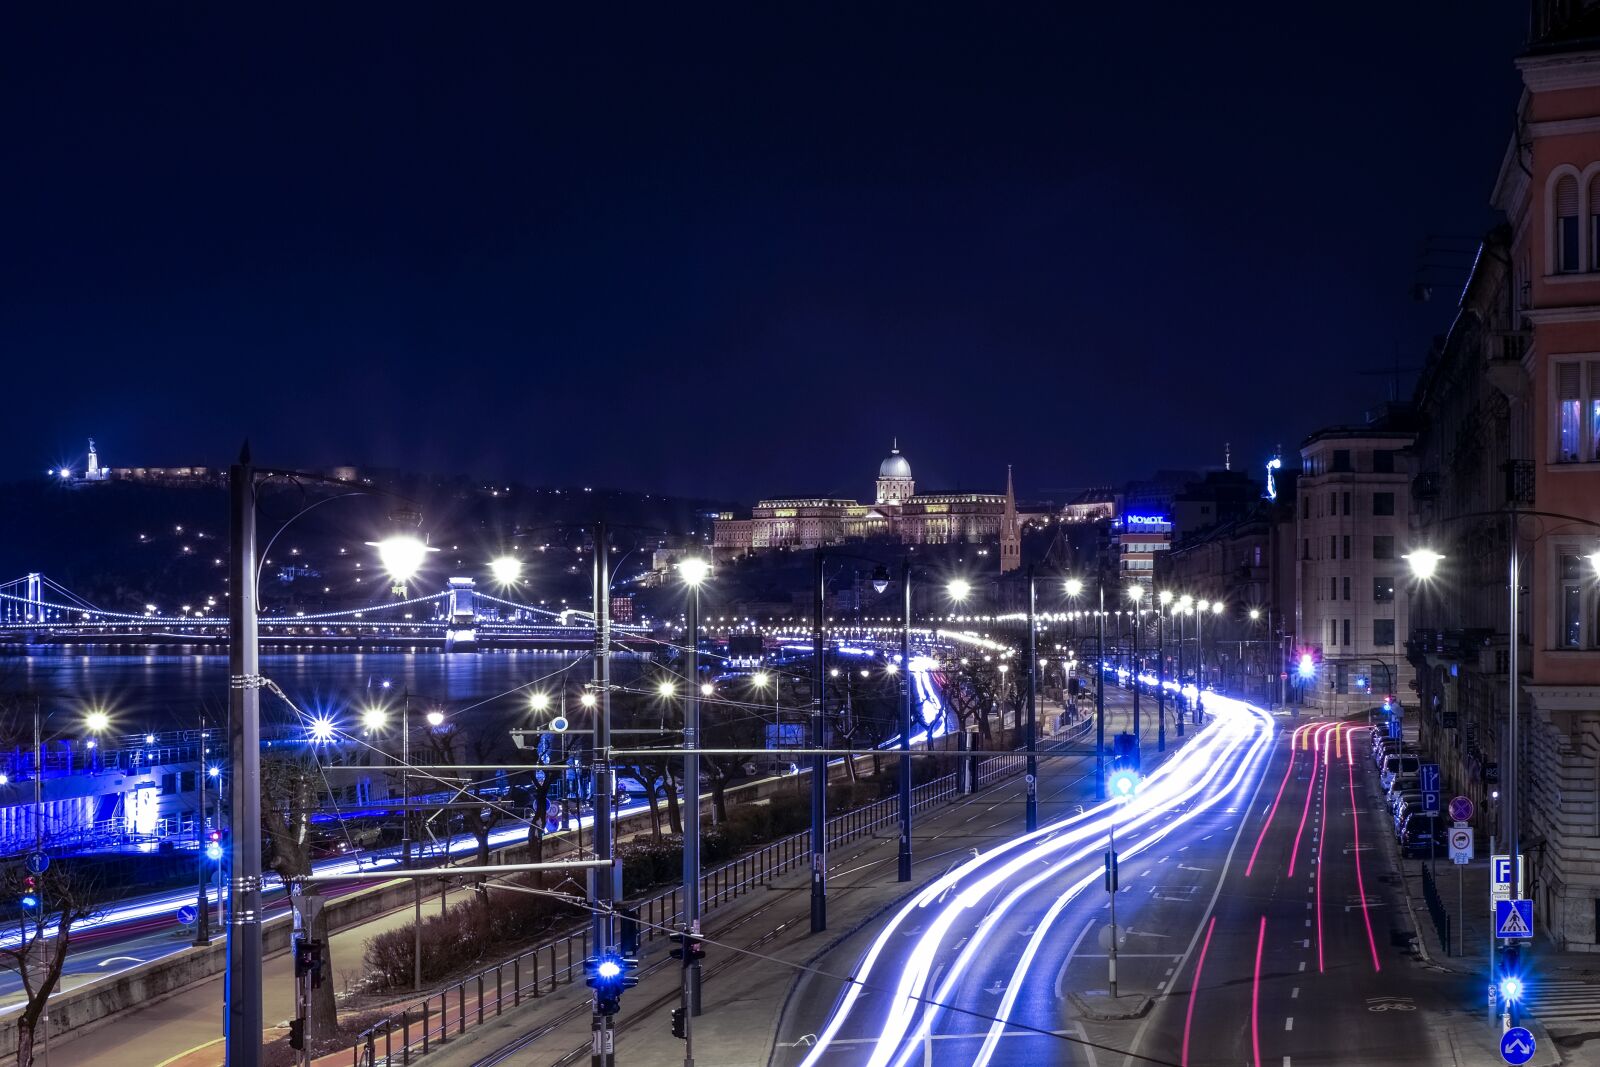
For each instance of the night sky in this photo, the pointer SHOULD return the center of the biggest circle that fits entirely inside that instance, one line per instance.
(729, 251)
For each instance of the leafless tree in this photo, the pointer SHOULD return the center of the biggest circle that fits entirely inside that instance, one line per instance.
(291, 789)
(68, 892)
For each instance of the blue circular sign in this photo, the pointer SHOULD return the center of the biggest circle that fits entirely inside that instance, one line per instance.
(187, 915)
(38, 863)
(1517, 1045)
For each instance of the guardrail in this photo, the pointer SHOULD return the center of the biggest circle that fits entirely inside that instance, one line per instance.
(542, 970)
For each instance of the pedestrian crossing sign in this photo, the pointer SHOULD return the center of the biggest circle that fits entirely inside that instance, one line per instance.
(1513, 918)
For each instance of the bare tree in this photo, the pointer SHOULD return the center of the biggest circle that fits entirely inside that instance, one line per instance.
(50, 906)
(290, 789)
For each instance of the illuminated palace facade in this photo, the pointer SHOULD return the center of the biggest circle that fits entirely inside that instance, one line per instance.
(899, 514)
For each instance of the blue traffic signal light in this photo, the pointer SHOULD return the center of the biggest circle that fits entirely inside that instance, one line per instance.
(1511, 989)
(609, 974)
(214, 845)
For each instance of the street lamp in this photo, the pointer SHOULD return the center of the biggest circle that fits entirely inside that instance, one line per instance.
(1135, 594)
(1163, 602)
(1124, 787)
(694, 570)
(1424, 562)
(507, 570)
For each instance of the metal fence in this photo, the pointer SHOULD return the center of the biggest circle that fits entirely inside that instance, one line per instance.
(540, 971)
(1436, 908)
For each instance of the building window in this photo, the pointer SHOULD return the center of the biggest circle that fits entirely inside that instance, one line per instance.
(1577, 436)
(1383, 633)
(1341, 461)
(1341, 678)
(1306, 550)
(1383, 503)
(1383, 461)
(1305, 506)
(1333, 504)
(1382, 589)
(1577, 583)
(1347, 588)
(1566, 237)
(1346, 546)
(188, 783)
(1333, 588)
(169, 784)
(1333, 633)
(1347, 631)
(1258, 555)
(1333, 546)
(1383, 546)
(1344, 503)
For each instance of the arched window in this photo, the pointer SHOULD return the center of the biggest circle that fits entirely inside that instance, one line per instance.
(1594, 222)
(1566, 232)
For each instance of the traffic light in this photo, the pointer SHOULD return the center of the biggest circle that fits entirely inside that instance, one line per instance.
(308, 959)
(628, 930)
(609, 975)
(1512, 987)
(678, 1030)
(689, 947)
(297, 1034)
(1124, 784)
(214, 845)
(30, 891)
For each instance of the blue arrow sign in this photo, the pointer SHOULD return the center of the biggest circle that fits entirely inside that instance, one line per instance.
(187, 915)
(1517, 1045)
(1513, 918)
(1429, 775)
(38, 863)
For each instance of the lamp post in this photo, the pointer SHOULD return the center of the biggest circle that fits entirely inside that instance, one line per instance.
(1032, 808)
(202, 930)
(1163, 600)
(1123, 788)
(605, 889)
(1135, 594)
(903, 872)
(402, 555)
(694, 572)
(819, 762)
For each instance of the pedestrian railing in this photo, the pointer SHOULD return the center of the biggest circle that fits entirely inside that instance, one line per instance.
(448, 1013)
(1436, 908)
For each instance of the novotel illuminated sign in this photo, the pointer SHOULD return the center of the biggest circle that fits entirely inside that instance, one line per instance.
(1146, 520)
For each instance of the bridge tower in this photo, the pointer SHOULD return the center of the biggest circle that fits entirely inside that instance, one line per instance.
(34, 597)
(461, 623)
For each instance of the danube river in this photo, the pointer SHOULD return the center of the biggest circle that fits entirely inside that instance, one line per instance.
(172, 689)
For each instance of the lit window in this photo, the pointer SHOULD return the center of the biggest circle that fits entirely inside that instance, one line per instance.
(1577, 437)
(1577, 586)
(1594, 222)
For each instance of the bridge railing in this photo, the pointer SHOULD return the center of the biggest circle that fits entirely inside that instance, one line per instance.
(542, 970)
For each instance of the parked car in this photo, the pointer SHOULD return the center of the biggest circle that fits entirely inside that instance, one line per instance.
(1400, 799)
(1399, 766)
(1419, 837)
(1402, 784)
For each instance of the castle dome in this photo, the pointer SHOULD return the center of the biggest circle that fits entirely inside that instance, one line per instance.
(895, 466)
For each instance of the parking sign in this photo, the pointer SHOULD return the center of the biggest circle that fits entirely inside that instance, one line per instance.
(1500, 878)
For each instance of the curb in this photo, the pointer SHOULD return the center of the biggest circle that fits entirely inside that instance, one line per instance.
(1090, 1007)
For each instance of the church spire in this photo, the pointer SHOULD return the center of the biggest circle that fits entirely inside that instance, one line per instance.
(1010, 533)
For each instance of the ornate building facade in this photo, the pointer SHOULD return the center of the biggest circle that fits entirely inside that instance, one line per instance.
(899, 514)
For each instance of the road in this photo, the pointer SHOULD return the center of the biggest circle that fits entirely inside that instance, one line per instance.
(1254, 912)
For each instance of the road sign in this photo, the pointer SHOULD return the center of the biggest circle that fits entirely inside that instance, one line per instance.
(1461, 809)
(187, 915)
(1517, 1045)
(1428, 773)
(1430, 803)
(38, 863)
(1513, 918)
(1500, 885)
(1460, 844)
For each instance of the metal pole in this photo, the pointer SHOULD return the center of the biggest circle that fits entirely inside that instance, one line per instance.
(600, 1053)
(1513, 820)
(242, 985)
(819, 763)
(1200, 660)
(1100, 697)
(202, 930)
(906, 698)
(1111, 949)
(691, 825)
(1161, 677)
(1134, 615)
(1033, 716)
(1181, 643)
(405, 839)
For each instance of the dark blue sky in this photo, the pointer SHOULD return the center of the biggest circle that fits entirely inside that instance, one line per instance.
(730, 250)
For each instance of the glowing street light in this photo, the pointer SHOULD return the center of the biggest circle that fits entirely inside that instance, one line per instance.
(97, 722)
(435, 717)
(373, 718)
(539, 701)
(322, 730)
(759, 679)
(1136, 593)
(959, 588)
(402, 555)
(588, 700)
(666, 688)
(1424, 562)
(507, 570)
(707, 689)
(1074, 586)
(1165, 597)
(1217, 607)
(694, 570)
